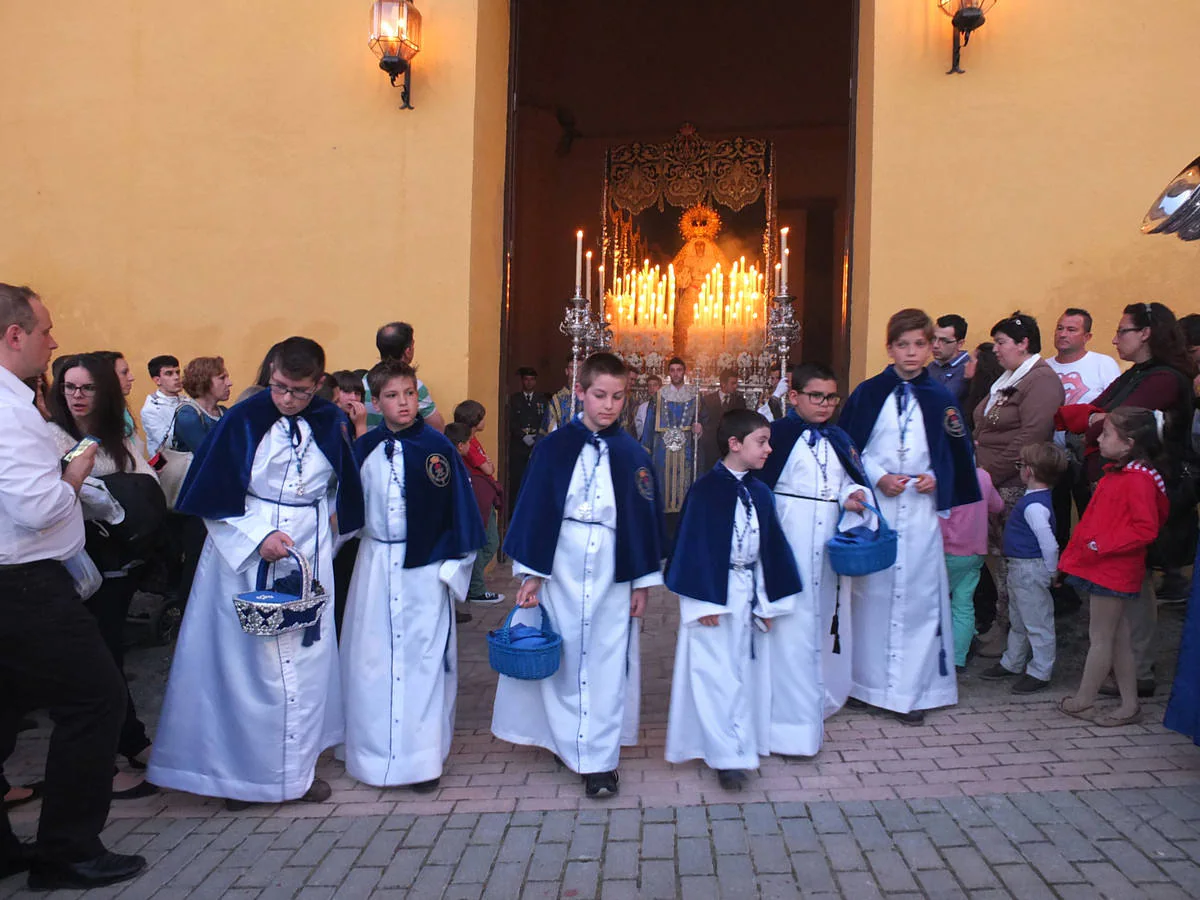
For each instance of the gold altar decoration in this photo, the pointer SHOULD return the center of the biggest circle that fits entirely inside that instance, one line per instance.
(689, 281)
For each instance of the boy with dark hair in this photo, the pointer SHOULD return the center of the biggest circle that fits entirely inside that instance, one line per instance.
(734, 572)
(919, 458)
(471, 413)
(158, 412)
(815, 472)
(949, 364)
(586, 537)
(270, 703)
(399, 653)
(1031, 556)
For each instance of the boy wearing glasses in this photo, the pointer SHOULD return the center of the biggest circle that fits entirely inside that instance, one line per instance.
(919, 459)
(815, 472)
(949, 364)
(246, 716)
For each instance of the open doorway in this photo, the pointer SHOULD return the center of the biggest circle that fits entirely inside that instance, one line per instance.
(589, 77)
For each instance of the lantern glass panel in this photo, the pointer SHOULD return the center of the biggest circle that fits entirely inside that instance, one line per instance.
(395, 29)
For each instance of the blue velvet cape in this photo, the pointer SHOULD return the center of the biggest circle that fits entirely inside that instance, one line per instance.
(1183, 709)
(532, 537)
(787, 431)
(443, 518)
(950, 445)
(699, 564)
(219, 477)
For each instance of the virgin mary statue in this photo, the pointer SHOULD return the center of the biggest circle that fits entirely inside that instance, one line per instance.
(699, 226)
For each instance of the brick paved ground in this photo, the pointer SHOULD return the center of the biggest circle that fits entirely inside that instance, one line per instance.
(999, 797)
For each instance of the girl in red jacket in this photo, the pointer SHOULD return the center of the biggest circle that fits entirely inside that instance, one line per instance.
(1106, 556)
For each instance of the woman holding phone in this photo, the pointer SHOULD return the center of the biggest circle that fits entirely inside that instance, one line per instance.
(86, 401)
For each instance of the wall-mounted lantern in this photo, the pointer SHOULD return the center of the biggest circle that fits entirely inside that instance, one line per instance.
(396, 39)
(1177, 209)
(967, 16)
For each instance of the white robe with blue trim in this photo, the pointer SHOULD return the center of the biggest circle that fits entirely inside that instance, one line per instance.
(398, 649)
(245, 717)
(589, 708)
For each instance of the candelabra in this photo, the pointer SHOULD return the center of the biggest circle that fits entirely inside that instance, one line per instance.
(577, 325)
(782, 329)
(599, 336)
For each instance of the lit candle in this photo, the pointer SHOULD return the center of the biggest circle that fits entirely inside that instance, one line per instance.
(600, 272)
(778, 279)
(786, 254)
(783, 256)
(578, 262)
(588, 289)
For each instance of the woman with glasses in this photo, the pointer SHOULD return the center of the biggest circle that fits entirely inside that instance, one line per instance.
(1149, 336)
(1017, 411)
(815, 473)
(86, 400)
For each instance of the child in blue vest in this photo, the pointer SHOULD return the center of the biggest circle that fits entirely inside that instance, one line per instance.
(1031, 551)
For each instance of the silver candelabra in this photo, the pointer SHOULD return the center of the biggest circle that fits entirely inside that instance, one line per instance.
(782, 329)
(577, 325)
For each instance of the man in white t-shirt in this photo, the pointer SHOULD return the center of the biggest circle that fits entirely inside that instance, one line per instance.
(1085, 374)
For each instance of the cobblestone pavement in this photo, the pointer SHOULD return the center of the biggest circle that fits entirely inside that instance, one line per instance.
(1001, 796)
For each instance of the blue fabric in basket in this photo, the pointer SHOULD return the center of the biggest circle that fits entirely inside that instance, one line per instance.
(528, 638)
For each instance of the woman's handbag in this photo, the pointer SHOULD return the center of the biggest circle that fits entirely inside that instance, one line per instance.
(861, 551)
(175, 463)
(294, 602)
(520, 651)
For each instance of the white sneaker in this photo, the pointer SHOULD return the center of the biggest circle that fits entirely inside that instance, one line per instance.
(487, 598)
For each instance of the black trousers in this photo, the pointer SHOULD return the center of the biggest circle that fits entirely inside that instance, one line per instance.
(53, 657)
(110, 606)
(1072, 487)
(193, 533)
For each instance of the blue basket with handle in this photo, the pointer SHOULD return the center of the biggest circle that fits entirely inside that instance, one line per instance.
(861, 550)
(521, 651)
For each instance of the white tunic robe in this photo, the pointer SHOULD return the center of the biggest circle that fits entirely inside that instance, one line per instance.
(586, 710)
(899, 611)
(399, 656)
(245, 717)
(808, 680)
(720, 691)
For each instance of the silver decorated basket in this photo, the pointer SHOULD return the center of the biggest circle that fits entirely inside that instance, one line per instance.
(270, 612)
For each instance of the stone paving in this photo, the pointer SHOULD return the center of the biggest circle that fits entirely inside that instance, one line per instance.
(1001, 796)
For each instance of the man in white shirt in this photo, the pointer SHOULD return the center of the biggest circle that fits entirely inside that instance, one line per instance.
(158, 412)
(1085, 374)
(54, 656)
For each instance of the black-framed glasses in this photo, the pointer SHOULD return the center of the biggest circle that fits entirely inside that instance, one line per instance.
(86, 390)
(820, 399)
(1127, 330)
(282, 390)
(946, 340)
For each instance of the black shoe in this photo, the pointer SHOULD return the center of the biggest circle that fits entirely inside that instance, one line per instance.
(731, 779)
(461, 618)
(134, 762)
(1145, 688)
(426, 787)
(960, 669)
(997, 673)
(601, 781)
(107, 868)
(232, 805)
(318, 792)
(1027, 684)
(913, 717)
(855, 703)
(18, 858)
(137, 792)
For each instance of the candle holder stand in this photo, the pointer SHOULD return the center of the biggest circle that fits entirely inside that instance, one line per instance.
(782, 329)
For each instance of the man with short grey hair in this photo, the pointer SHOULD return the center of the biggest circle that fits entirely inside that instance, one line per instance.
(51, 653)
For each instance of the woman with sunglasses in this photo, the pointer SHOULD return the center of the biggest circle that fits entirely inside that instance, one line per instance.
(86, 400)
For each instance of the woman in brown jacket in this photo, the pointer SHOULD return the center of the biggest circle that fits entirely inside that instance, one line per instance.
(1018, 410)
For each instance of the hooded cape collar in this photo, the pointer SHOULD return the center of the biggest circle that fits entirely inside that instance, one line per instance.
(219, 478)
(791, 428)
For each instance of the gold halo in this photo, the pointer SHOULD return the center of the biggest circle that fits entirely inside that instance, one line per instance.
(699, 221)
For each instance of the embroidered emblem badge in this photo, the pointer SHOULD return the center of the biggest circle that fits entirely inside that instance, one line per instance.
(953, 423)
(645, 484)
(437, 467)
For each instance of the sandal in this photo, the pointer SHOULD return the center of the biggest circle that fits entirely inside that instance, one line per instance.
(35, 793)
(1110, 721)
(1085, 713)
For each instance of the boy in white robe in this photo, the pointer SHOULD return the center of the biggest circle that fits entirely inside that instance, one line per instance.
(734, 573)
(398, 648)
(246, 716)
(815, 472)
(920, 460)
(586, 536)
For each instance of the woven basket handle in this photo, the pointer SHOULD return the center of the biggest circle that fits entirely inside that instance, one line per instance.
(883, 523)
(547, 627)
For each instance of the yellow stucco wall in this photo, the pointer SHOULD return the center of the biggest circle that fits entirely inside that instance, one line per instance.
(1023, 182)
(207, 178)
